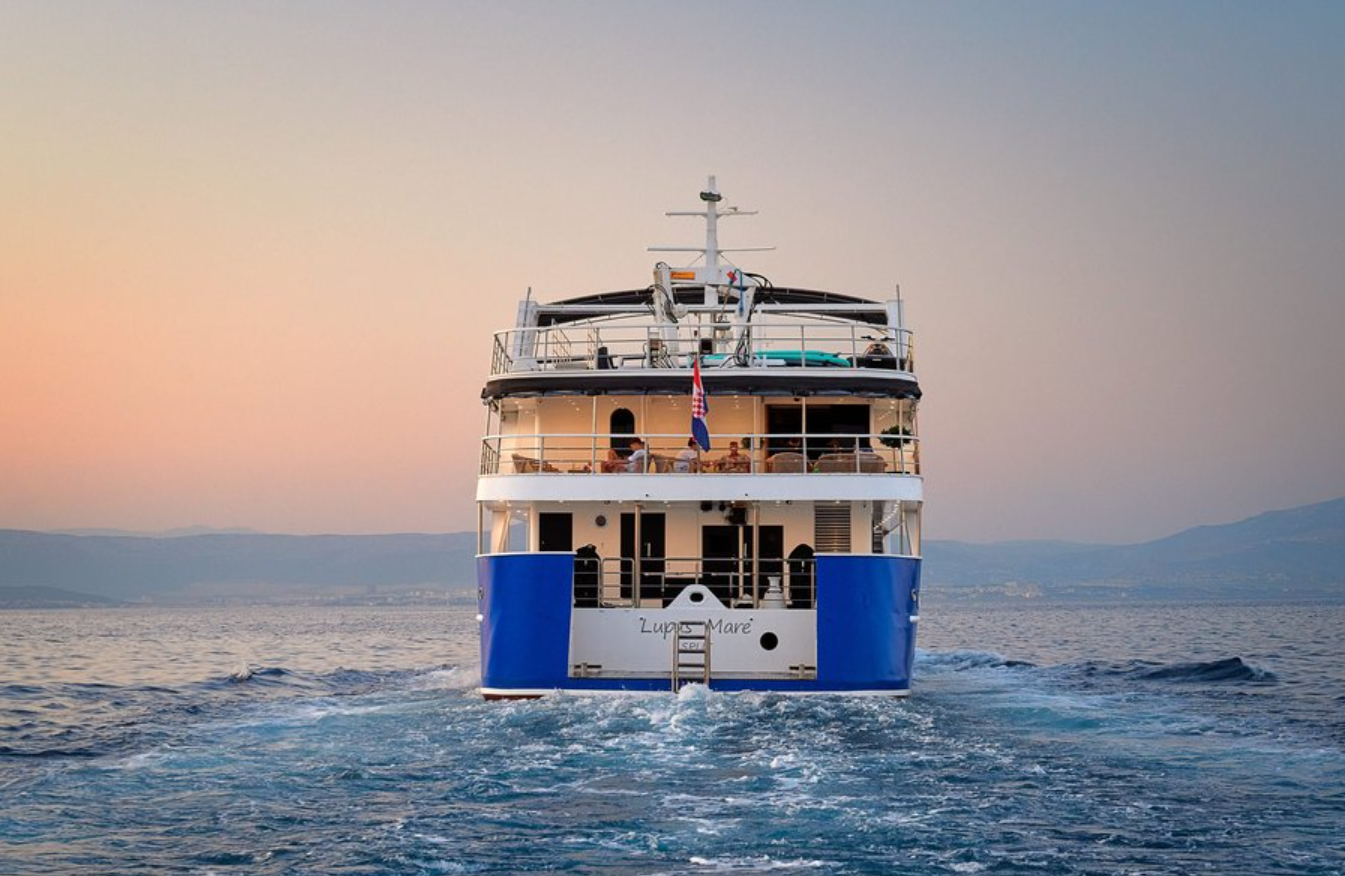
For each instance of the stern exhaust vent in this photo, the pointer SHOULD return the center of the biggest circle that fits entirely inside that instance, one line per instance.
(831, 528)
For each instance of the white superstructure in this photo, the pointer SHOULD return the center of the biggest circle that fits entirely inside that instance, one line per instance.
(616, 553)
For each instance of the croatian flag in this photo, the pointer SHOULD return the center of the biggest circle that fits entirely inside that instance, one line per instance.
(700, 408)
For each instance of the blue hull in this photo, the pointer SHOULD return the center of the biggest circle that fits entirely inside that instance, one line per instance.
(865, 635)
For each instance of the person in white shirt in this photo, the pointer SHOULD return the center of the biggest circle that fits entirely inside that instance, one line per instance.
(638, 458)
(689, 459)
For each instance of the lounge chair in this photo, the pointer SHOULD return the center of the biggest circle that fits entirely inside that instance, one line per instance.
(872, 463)
(836, 463)
(787, 462)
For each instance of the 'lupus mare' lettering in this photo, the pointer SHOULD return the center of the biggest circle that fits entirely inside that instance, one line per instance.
(716, 626)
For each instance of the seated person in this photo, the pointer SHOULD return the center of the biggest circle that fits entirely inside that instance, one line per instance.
(735, 461)
(688, 460)
(639, 457)
(613, 462)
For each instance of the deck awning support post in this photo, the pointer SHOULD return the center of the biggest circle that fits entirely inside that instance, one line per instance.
(756, 554)
(635, 581)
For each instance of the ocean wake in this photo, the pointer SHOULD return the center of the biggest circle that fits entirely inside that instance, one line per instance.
(994, 765)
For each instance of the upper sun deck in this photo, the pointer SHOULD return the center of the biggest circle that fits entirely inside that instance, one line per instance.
(748, 335)
(783, 337)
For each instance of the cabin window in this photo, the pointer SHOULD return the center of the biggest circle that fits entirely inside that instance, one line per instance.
(837, 429)
(822, 429)
(894, 417)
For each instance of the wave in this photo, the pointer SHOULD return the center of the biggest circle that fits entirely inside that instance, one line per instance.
(960, 660)
(260, 673)
(444, 678)
(1223, 670)
(336, 682)
(1227, 669)
(273, 679)
(15, 751)
(94, 719)
(20, 690)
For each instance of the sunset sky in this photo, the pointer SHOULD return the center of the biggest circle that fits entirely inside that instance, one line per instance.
(251, 253)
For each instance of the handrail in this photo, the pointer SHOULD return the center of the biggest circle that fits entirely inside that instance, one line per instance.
(773, 344)
(604, 582)
(500, 360)
(668, 454)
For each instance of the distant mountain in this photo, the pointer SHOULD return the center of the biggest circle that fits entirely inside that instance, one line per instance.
(161, 533)
(1299, 552)
(243, 565)
(49, 597)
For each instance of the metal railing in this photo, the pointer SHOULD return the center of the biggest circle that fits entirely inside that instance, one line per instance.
(774, 344)
(500, 360)
(774, 453)
(607, 582)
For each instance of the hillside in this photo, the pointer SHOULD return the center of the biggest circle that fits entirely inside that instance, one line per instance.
(240, 564)
(50, 597)
(1299, 552)
(1296, 553)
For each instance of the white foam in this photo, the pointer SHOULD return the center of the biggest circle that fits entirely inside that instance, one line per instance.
(140, 760)
(447, 678)
(759, 864)
(693, 692)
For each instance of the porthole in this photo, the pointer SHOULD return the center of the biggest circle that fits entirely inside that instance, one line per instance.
(600, 521)
(769, 641)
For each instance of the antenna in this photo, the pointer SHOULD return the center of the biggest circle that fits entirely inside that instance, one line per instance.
(711, 214)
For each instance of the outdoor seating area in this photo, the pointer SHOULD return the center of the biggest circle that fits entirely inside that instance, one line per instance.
(873, 457)
(787, 462)
(528, 465)
(849, 462)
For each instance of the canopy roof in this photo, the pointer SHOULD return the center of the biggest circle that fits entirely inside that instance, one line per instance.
(584, 307)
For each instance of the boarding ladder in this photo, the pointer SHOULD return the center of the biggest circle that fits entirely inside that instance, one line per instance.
(691, 653)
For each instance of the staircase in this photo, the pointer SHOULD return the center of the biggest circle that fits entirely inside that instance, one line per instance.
(691, 654)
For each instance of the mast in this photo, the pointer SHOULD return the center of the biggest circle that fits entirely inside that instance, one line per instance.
(713, 276)
(711, 197)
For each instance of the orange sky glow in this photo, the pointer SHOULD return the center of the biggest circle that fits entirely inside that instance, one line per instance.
(251, 255)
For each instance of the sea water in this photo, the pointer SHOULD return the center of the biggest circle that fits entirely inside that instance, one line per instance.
(1154, 739)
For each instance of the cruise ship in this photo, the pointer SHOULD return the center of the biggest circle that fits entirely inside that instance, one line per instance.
(709, 480)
